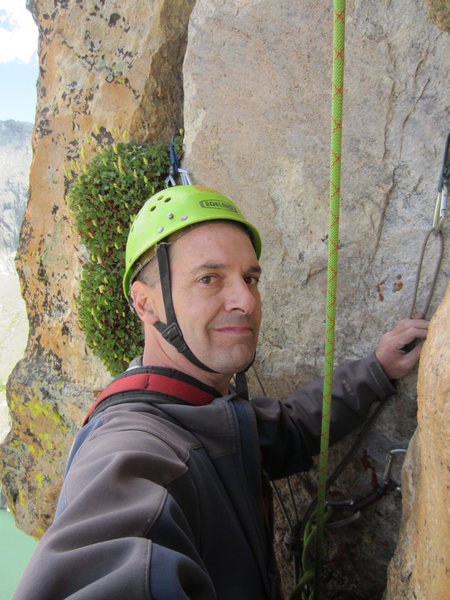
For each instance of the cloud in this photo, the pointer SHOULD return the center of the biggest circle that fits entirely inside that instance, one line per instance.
(18, 32)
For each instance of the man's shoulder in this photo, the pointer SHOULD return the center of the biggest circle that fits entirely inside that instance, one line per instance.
(139, 427)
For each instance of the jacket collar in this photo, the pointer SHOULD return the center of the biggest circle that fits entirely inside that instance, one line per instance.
(160, 381)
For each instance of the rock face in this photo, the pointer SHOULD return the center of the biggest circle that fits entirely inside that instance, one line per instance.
(419, 568)
(257, 86)
(99, 65)
(257, 80)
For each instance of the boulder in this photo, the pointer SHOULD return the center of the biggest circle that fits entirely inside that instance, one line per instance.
(100, 69)
(419, 567)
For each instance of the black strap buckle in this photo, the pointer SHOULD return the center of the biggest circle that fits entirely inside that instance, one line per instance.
(172, 333)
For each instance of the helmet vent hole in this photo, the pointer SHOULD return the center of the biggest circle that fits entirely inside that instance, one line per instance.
(167, 199)
(152, 208)
(159, 198)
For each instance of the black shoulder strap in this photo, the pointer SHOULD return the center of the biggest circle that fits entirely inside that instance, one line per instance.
(154, 380)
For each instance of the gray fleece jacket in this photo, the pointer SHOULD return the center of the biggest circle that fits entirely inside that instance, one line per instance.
(162, 498)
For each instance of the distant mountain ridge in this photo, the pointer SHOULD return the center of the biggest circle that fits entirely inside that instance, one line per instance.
(15, 160)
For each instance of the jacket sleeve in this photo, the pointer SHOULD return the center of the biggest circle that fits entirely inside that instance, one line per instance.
(290, 432)
(119, 533)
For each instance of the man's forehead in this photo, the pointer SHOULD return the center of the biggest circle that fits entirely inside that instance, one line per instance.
(200, 231)
(206, 245)
(250, 268)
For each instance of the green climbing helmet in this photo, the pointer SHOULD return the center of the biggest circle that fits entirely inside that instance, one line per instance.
(174, 209)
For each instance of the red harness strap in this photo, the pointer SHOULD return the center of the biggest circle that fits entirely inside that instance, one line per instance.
(153, 382)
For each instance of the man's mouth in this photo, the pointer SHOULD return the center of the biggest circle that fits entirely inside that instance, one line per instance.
(235, 329)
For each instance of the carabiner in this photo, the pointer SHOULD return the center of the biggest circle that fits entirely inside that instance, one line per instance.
(441, 200)
(342, 522)
(439, 210)
(388, 467)
(174, 169)
(354, 516)
(184, 176)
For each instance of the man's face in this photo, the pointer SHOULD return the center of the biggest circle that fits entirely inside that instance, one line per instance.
(215, 274)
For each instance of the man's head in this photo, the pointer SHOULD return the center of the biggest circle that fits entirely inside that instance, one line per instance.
(207, 304)
(172, 210)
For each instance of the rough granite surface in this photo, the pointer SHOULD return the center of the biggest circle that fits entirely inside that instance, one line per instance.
(257, 81)
(421, 564)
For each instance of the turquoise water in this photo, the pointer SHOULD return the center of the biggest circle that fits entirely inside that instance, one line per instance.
(16, 548)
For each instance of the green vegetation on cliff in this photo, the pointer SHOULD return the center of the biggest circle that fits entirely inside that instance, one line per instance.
(106, 194)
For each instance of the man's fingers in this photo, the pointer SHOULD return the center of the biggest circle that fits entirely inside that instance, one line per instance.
(398, 350)
(407, 331)
(413, 355)
(417, 316)
(407, 323)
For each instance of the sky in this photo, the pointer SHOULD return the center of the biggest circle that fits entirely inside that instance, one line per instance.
(18, 62)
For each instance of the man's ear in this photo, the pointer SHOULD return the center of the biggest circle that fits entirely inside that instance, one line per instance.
(144, 300)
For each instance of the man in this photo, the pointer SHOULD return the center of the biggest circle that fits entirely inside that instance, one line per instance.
(163, 496)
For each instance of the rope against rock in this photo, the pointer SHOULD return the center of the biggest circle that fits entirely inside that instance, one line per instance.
(333, 244)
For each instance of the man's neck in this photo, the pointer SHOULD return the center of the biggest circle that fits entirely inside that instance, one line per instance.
(152, 358)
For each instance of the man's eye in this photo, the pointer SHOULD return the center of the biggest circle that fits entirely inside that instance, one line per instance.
(251, 280)
(207, 279)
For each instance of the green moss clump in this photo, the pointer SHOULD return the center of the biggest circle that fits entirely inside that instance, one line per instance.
(104, 199)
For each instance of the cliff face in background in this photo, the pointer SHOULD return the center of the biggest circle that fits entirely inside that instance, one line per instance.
(256, 83)
(15, 159)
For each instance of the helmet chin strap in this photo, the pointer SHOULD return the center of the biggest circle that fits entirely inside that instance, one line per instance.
(171, 330)
(241, 385)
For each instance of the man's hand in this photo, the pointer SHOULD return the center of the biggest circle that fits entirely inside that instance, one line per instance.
(391, 353)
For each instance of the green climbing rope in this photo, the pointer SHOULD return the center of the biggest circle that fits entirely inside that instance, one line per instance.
(333, 243)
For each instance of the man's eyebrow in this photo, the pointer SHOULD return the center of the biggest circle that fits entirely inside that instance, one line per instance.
(221, 266)
(255, 269)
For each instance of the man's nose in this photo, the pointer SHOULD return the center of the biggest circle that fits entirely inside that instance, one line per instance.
(240, 296)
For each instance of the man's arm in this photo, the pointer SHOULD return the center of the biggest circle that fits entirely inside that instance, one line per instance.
(120, 533)
(290, 431)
